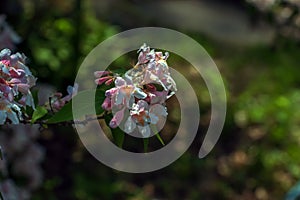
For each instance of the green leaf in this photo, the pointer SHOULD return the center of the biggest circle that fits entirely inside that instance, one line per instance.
(1, 197)
(35, 96)
(64, 114)
(119, 137)
(82, 100)
(154, 129)
(146, 144)
(160, 139)
(99, 98)
(38, 113)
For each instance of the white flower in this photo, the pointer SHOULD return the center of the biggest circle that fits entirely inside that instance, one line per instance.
(9, 111)
(142, 116)
(137, 92)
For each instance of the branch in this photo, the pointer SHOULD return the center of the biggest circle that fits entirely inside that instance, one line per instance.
(66, 123)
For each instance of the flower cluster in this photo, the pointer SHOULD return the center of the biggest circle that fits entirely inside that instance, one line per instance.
(15, 82)
(138, 98)
(58, 101)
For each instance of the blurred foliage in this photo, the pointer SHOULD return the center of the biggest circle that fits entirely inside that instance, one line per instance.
(56, 40)
(283, 14)
(257, 157)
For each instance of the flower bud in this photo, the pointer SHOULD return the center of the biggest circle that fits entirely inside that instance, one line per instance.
(100, 81)
(99, 74)
(117, 119)
(106, 105)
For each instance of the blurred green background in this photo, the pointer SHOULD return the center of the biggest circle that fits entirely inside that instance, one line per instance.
(255, 45)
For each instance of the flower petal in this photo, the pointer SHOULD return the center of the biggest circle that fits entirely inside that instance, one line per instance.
(106, 105)
(117, 119)
(3, 116)
(120, 82)
(98, 74)
(158, 110)
(100, 81)
(13, 117)
(129, 125)
(138, 93)
(154, 119)
(119, 98)
(145, 131)
(142, 105)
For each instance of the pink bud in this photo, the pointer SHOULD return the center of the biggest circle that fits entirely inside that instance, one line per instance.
(100, 81)
(23, 88)
(106, 105)
(109, 81)
(99, 74)
(117, 119)
(111, 92)
(58, 104)
(5, 62)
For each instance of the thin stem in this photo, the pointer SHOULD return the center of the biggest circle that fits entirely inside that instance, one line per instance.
(50, 104)
(66, 123)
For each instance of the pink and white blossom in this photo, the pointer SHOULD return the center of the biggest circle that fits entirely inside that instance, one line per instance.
(16, 80)
(137, 92)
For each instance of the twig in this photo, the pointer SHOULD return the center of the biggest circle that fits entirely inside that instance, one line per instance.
(66, 123)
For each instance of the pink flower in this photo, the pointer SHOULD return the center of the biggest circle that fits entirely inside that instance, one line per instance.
(158, 97)
(154, 69)
(137, 92)
(143, 115)
(123, 94)
(9, 111)
(16, 81)
(106, 105)
(102, 77)
(117, 119)
(143, 52)
(99, 74)
(58, 101)
(109, 81)
(100, 81)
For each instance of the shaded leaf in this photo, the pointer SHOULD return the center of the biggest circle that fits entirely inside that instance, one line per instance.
(119, 137)
(146, 144)
(99, 98)
(38, 113)
(35, 96)
(64, 114)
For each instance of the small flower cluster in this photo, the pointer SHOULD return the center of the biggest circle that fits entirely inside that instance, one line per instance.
(58, 101)
(15, 82)
(141, 92)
